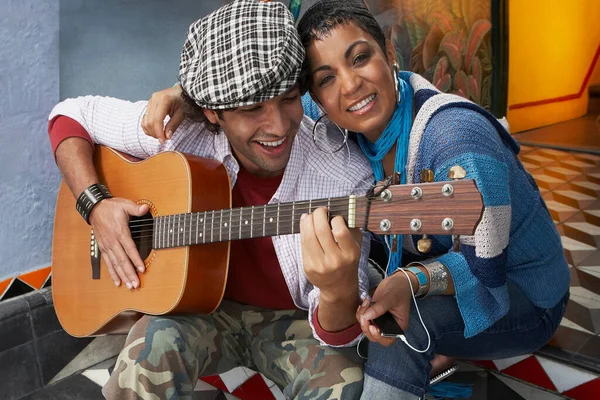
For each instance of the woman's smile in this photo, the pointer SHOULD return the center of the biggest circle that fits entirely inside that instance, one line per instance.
(352, 78)
(363, 106)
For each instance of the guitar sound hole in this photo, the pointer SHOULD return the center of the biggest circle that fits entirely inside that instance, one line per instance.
(142, 229)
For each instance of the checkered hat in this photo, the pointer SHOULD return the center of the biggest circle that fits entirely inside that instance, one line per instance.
(243, 53)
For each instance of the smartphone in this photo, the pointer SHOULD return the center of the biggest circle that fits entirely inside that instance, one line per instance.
(387, 325)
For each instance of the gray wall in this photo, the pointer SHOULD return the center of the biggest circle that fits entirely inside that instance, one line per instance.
(121, 48)
(28, 90)
(124, 48)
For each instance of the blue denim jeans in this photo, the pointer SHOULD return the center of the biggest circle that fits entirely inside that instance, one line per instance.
(398, 369)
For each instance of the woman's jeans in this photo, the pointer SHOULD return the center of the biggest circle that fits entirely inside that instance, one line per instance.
(523, 330)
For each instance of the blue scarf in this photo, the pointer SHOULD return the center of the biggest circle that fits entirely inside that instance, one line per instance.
(397, 132)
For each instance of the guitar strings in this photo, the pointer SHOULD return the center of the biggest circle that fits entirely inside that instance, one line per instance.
(139, 234)
(259, 211)
(271, 208)
(261, 208)
(256, 217)
(236, 224)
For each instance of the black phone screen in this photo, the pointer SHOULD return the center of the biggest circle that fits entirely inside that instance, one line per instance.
(387, 325)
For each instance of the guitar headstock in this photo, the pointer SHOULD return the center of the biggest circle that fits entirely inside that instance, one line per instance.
(437, 208)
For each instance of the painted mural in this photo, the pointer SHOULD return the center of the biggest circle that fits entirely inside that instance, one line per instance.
(446, 41)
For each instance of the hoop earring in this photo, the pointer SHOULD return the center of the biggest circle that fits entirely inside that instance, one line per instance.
(396, 71)
(320, 146)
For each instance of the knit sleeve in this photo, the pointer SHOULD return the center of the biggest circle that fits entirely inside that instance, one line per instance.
(464, 137)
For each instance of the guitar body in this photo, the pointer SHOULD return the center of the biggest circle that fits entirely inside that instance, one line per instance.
(187, 279)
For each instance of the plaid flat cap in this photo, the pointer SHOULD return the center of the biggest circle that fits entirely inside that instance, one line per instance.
(243, 53)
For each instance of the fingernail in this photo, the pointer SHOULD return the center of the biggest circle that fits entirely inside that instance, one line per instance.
(117, 283)
(363, 321)
(128, 285)
(161, 140)
(302, 217)
(135, 285)
(369, 315)
(169, 134)
(373, 330)
(141, 269)
(365, 303)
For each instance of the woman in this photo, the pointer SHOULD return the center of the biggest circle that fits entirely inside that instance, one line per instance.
(499, 293)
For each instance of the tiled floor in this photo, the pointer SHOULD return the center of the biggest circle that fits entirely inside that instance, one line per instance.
(570, 184)
(485, 385)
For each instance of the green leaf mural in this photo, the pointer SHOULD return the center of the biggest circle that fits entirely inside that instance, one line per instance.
(446, 41)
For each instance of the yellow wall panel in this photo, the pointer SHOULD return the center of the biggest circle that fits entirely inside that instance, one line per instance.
(552, 46)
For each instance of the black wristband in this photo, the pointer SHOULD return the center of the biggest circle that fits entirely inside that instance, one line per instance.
(88, 199)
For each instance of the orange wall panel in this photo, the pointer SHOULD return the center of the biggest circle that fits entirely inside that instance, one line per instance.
(595, 80)
(552, 46)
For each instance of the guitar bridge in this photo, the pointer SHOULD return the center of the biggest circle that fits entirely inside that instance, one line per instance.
(95, 256)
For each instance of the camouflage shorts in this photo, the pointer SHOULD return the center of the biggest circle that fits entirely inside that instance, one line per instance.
(163, 356)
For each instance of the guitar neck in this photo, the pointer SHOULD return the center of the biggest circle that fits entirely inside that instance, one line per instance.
(248, 222)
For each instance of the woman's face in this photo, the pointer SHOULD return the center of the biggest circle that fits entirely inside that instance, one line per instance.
(353, 79)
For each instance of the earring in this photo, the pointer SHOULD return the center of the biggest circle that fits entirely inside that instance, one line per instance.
(396, 69)
(322, 140)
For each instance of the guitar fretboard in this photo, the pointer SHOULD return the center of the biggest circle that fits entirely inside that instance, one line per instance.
(249, 222)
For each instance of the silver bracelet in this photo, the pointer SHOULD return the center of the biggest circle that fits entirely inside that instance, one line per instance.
(438, 278)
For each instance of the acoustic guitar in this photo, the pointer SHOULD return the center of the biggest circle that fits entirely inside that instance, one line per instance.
(184, 238)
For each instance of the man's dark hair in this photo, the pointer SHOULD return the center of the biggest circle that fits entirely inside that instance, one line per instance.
(324, 16)
(195, 113)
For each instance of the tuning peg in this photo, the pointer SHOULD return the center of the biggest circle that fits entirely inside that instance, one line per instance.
(424, 244)
(457, 172)
(426, 176)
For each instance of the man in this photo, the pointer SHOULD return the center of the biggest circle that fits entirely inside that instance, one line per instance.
(288, 297)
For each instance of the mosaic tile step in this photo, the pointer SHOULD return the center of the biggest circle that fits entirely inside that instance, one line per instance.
(591, 158)
(586, 187)
(584, 309)
(594, 177)
(547, 182)
(592, 216)
(573, 272)
(573, 198)
(545, 373)
(537, 159)
(576, 251)
(566, 174)
(583, 232)
(560, 212)
(587, 277)
(577, 165)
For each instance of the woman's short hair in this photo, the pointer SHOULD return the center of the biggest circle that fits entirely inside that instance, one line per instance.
(324, 16)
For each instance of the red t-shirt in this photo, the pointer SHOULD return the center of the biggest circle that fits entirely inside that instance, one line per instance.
(255, 276)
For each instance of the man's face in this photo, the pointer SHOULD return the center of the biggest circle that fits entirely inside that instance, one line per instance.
(261, 135)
